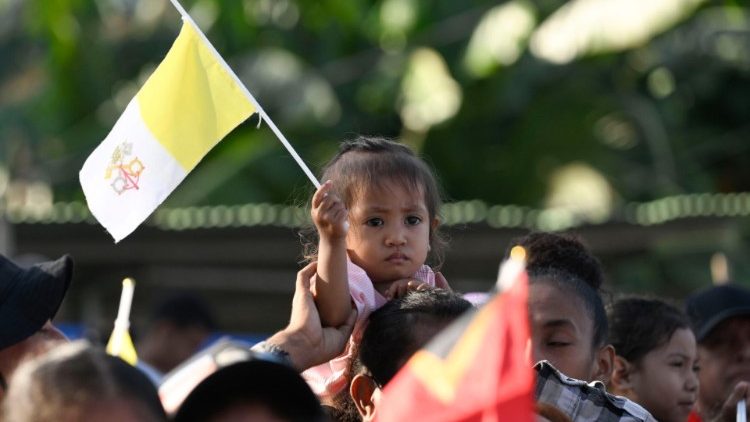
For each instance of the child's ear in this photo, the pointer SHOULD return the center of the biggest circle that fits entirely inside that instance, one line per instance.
(435, 223)
(605, 358)
(362, 390)
(621, 382)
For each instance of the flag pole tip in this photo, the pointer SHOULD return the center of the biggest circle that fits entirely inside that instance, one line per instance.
(518, 253)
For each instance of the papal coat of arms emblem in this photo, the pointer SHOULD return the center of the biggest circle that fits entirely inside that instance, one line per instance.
(124, 171)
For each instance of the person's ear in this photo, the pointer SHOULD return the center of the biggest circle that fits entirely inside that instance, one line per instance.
(434, 223)
(605, 358)
(621, 382)
(362, 391)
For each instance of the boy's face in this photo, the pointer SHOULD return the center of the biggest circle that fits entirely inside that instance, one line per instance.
(725, 360)
(665, 382)
(562, 332)
(389, 233)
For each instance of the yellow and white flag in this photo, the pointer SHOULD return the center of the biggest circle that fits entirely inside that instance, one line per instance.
(190, 102)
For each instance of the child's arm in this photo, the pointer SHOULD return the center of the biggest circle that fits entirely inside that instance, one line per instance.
(331, 286)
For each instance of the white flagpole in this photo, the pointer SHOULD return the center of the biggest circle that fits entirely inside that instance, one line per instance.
(249, 96)
(741, 411)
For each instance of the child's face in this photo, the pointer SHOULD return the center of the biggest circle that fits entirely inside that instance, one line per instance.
(562, 331)
(389, 233)
(666, 381)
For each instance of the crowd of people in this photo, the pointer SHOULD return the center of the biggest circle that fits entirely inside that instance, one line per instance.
(370, 297)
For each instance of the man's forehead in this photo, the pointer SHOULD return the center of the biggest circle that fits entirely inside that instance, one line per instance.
(728, 327)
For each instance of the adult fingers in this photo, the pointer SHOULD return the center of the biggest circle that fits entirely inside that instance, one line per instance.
(729, 409)
(302, 291)
(305, 274)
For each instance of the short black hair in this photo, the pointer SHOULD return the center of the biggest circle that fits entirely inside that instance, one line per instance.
(639, 325)
(563, 260)
(389, 337)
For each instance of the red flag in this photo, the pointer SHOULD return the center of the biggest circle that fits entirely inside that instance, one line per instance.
(476, 370)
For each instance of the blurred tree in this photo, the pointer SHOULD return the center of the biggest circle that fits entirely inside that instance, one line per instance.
(662, 112)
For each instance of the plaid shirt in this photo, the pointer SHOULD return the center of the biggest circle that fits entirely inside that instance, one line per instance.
(582, 401)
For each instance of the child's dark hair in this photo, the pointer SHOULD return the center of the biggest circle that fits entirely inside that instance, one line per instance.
(639, 325)
(373, 162)
(393, 334)
(390, 334)
(63, 383)
(562, 259)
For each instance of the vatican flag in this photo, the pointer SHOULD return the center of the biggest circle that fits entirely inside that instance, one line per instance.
(190, 102)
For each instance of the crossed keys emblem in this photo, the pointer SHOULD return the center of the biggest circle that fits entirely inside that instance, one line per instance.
(124, 171)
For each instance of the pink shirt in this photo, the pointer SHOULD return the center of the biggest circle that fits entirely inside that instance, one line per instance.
(327, 379)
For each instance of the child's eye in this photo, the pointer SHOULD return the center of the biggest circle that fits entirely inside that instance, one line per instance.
(676, 364)
(557, 344)
(375, 222)
(696, 368)
(413, 220)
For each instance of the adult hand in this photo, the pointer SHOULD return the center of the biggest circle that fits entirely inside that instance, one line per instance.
(728, 411)
(305, 339)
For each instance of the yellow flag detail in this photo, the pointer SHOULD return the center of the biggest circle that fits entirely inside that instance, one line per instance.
(191, 102)
(121, 345)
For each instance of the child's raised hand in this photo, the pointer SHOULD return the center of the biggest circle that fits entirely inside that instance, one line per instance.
(328, 213)
(399, 288)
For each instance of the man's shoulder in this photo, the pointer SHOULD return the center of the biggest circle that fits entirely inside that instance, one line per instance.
(582, 401)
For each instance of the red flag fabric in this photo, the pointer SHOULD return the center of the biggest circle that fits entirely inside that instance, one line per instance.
(476, 370)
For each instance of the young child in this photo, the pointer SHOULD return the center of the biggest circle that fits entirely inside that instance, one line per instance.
(656, 363)
(376, 219)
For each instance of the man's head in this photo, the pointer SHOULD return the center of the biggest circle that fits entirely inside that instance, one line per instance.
(394, 332)
(229, 382)
(720, 317)
(79, 381)
(29, 299)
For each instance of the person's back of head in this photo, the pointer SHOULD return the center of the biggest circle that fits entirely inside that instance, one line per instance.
(402, 326)
(395, 332)
(656, 363)
(228, 380)
(76, 382)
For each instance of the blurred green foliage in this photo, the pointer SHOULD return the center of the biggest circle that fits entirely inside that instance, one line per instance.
(667, 116)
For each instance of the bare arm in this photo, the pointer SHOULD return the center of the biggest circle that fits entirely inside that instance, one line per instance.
(331, 286)
(306, 341)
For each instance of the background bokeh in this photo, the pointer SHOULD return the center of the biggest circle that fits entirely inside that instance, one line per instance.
(627, 121)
